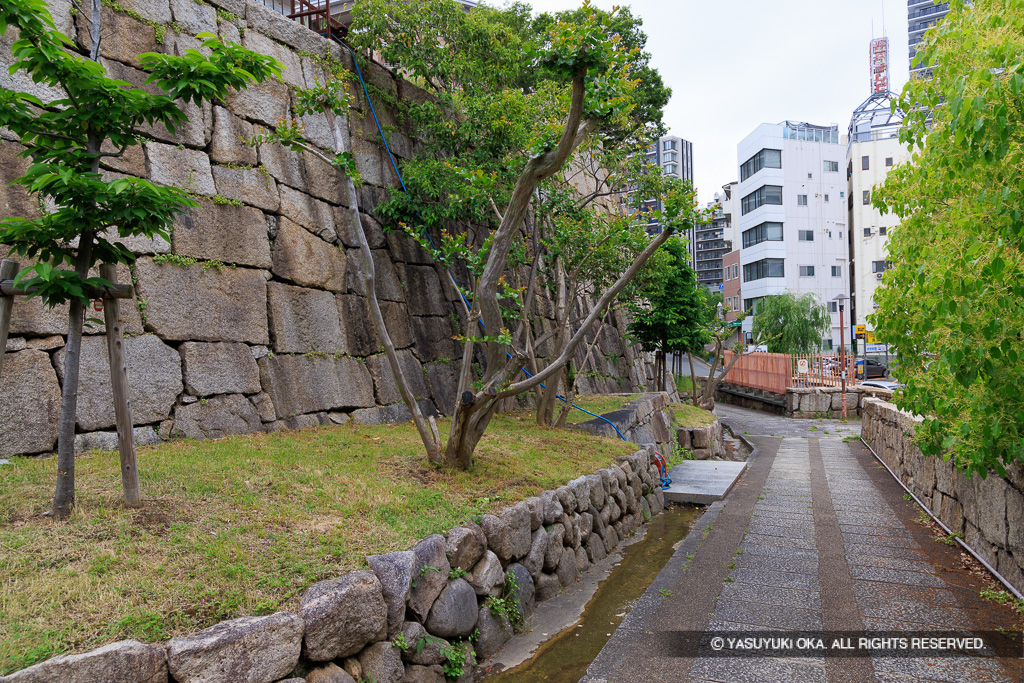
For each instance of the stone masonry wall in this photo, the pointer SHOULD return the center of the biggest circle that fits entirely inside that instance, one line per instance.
(988, 514)
(437, 592)
(250, 318)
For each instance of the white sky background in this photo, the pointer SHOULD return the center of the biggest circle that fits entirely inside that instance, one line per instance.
(735, 65)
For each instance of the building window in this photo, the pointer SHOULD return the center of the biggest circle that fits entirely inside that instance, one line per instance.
(864, 163)
(831, 166)
(670, 156)
(766, 158)
(765, 232)
(867, 232)
(882, 230)
(668, 144)
(878, 266)
(888, 162)
(826, 344)
(806, 271)
(805, 235)
(809, 176)
(837, 271)
(826, 199)
(670, 169)
(750, 305)
(801, 200)
(766, 194)
(842, 194)
(735, 270)
(867, 196)
(833, 307)
(766, 267)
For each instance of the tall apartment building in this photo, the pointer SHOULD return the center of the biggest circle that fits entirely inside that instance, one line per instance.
(921, 16)
(674, 156)
(713, 240)
(792, 216)
(872, 150)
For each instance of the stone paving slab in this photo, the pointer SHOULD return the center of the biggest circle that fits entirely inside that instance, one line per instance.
(812, 537)
(702, 481)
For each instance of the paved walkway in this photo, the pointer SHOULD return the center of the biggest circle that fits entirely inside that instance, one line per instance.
(815, 538)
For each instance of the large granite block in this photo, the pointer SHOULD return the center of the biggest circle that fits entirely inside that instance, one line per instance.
(303, 320)
(221, 232)
(219, 368)
(301, 384)
(29, 403)
(305, 259)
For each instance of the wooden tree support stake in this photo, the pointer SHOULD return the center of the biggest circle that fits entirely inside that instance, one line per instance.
(8, 269)
(119, 384)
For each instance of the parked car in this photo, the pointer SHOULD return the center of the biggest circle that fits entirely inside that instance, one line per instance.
(883, 384)
(873, 370)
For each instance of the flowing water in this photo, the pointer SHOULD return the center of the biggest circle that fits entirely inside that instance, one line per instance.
(565, 658)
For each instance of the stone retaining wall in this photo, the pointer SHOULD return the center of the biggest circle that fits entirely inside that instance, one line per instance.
(988, 514)
(801, 402)
(437, 592)
(251, 317)
(645, 421)
(704, 441)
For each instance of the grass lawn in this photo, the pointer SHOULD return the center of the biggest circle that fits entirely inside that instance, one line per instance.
(691, 416)
(241, 525)
(596, 404)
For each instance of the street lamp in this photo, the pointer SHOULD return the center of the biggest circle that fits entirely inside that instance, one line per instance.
(842, 347)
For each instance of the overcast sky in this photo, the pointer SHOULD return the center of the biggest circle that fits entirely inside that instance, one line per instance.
(735, 65)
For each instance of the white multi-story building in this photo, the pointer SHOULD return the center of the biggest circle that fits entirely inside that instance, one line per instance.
(791, 224)
(674, 156)
(872, 151)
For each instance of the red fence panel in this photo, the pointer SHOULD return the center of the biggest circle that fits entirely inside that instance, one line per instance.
(775, 372)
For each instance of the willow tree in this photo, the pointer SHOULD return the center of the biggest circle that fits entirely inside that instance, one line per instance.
(509, 113)
(791, 323)
(952, 305)
(67, 139)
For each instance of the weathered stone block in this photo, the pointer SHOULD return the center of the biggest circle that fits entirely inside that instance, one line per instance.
(323, 180)
(371, 230)
(189, 303)
(291, 63)
(343, 615)
(298, 384)
(465, 545)
(126, 660)
(442, 376)
(279, 27)
(154, 380)
(395, 573)
(219, 368)
(226, 146)
(217, 417)
(181, 167)
(423, 289)
(136, 37)
(282, 163)
(29, 402)
(430, 574)
(433, 338)
(312, 214)
(194, 18)
(328, 673)
(15, 198)
(487, 576)
(303, 320)
(454, 612)
(107, 441)
(221, 232)
(307, 260)
(250, 186)
(381, 662)
(384, 382)
(387, 283)
(495, 631)
(264, 103)
(254, 649)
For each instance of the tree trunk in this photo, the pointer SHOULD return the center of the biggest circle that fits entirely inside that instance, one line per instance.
(64, 495)
(428, 432)
(693, 381)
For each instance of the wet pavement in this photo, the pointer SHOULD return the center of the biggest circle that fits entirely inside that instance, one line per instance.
(816, 538)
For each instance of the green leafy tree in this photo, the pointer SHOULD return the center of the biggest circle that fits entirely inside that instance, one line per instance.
(674, 315)
(494, 152)
(952, 304)
(790, 323)
(67, 139)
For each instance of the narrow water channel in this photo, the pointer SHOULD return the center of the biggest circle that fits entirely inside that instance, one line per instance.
(565, 658)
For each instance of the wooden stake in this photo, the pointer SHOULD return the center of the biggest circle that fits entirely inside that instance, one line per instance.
(8, 269)
(119, 384)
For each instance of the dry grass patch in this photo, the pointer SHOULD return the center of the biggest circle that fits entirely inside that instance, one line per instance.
(691, 416)
(241, 525)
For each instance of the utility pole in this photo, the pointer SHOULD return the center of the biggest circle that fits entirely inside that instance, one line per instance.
(842, 348)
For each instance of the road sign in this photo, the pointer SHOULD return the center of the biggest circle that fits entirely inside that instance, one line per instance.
(860, 331)
(801, 366)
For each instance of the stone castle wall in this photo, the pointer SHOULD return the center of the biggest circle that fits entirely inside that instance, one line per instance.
(251, 317)
(988, 514)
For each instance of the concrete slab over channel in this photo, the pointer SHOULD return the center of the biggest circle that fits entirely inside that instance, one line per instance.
(702, 481)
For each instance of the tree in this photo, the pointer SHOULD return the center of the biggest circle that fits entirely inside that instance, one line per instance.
(491, 143)
(674, 316)
(67, 139)
(952, 303)
(790, 323)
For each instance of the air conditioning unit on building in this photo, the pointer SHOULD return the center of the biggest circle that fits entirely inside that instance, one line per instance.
(878, 276)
